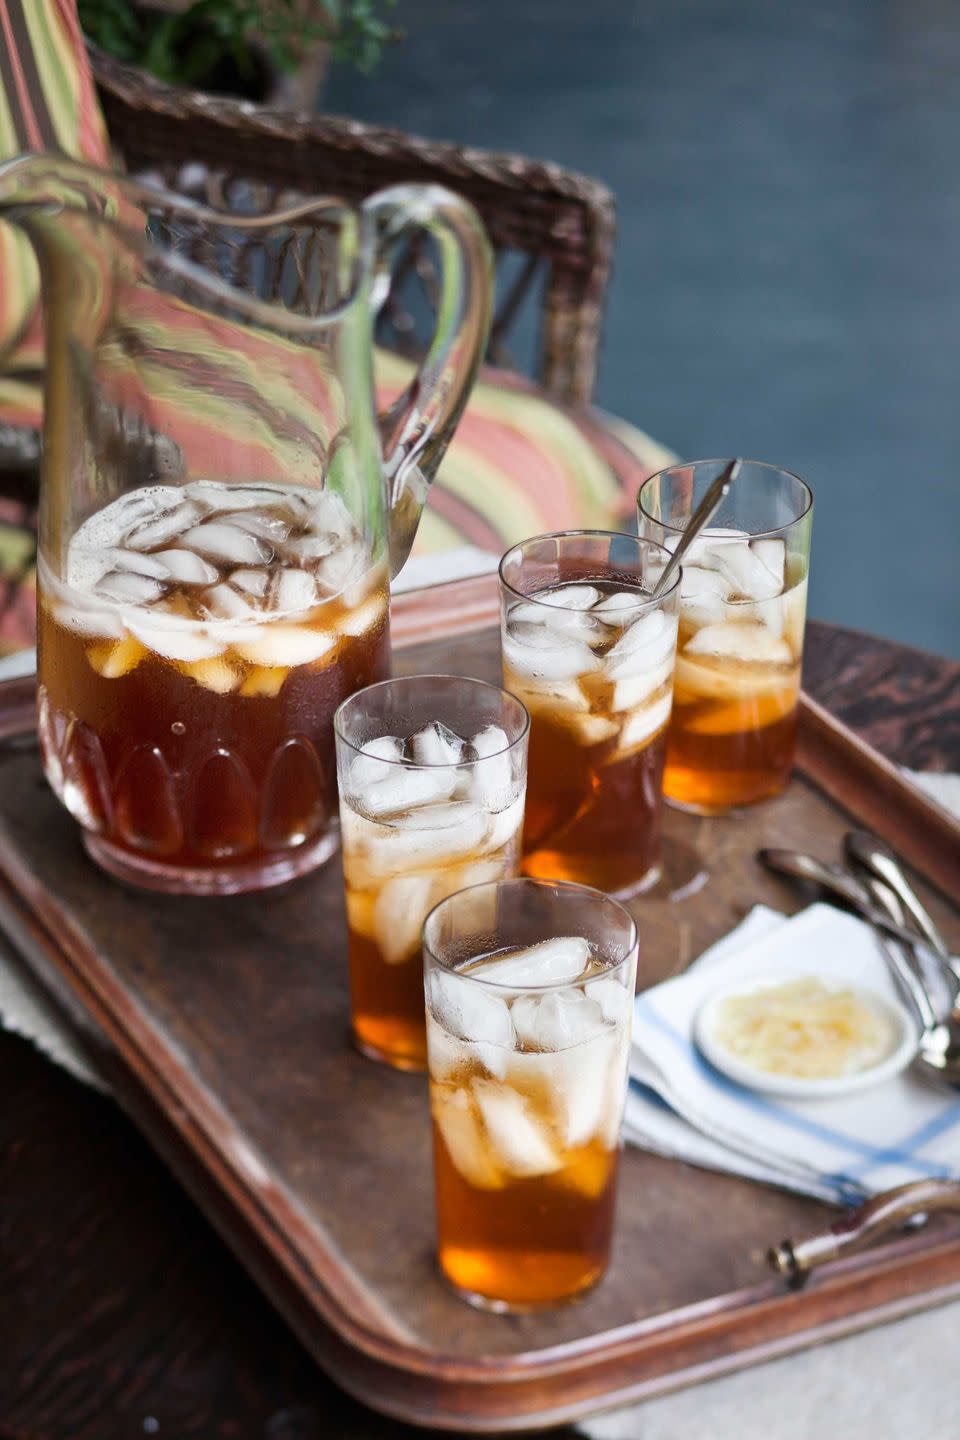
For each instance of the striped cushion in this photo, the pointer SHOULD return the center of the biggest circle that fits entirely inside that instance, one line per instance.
(47, 102)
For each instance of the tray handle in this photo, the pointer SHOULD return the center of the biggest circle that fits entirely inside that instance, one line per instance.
(795, 1259)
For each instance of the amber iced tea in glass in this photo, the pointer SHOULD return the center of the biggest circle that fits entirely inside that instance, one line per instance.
(432, 771)
(742, 610)
(591, 656)
(191, 663)
(528, 1049)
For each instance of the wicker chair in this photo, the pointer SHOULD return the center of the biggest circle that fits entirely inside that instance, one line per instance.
(552, 230)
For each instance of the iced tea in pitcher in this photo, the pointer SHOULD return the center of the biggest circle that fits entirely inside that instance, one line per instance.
(192, 660)
(528, 1045)
(220, 499)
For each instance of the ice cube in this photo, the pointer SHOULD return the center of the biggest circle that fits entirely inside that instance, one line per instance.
(436, 745)
(431, 837)
(176, 640)
(215, 674)
(222, 541)
(403, 788)
(447, 1055)
(641, 725)
(570, 597)
(293, 591)
(221, 602)
(108, 526)
(267, 527)
(129, 589)
(251, 582)
(328, 513)
(750, 642)
(216, 496)
(551, 962)
(577, 623)
(264, 681)
(312, 547)
(562, 697)
(742, 568)
(521, 1143)
(538, 653)
(707, 546)
(276, 645)
(647, 645)
(163, 528)
(614, 608)
(336, 571)
(460, 1130)
(611, 996)
(504, 826)
(469, 1010)
(702, 595)
(557, 1020)
(186, 567)
(114, 660)
(590, 730)
(491, 779)
(585, 1085)
(398, 915)
(794, 609)
(84, 620)
(633, 690)
(133, 563)
(366, 768)
(357, 619)
(772, 553)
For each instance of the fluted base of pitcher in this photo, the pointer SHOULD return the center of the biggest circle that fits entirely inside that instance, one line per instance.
(262, 874)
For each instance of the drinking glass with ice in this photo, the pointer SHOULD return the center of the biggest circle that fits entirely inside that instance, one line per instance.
(432, 773)
(743, 600)
(529, 995)
(591, 655)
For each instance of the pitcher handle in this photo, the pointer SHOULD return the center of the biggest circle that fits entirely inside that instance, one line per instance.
(417, 428)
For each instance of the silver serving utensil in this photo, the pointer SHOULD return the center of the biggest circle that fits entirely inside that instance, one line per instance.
(868, 852)
(702, 516)
(799, 866)
(938, 1051)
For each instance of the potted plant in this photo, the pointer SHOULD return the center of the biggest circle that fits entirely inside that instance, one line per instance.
(270, 51)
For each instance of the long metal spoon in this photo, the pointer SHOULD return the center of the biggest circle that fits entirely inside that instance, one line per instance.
(869, 853)
(938, 1050)
(805, 867)
(704, 513)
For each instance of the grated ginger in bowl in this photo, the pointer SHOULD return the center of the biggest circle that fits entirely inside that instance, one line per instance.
(805, 1029)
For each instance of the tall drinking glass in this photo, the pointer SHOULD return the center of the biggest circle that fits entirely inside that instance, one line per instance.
(432, 771)
(529, 989)
(591, 656)
(742, 608)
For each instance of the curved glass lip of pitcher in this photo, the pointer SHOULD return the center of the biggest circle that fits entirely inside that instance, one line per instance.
(43, 169)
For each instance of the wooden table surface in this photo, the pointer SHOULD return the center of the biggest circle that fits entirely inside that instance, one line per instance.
(121, 1312)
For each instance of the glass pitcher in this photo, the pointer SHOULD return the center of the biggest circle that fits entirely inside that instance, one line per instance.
(221, 504)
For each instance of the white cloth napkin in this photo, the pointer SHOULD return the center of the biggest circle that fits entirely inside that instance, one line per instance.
(840, 1149)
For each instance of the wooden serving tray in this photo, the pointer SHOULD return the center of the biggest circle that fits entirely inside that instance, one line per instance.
(222, 1024)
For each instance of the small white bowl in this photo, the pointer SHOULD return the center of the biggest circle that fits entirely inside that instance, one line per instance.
(794, 1087)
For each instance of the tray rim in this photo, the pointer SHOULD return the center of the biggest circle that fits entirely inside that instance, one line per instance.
(371, 1357)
